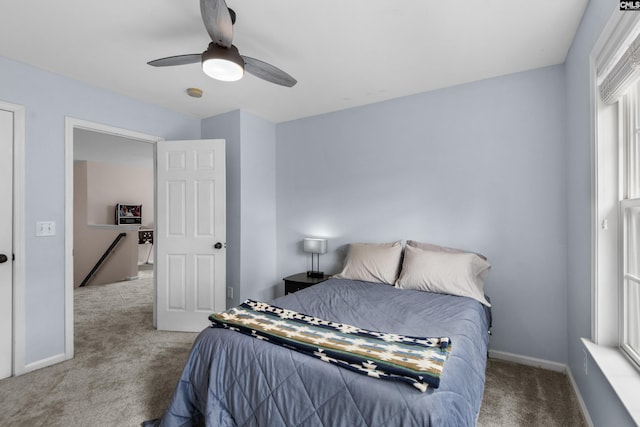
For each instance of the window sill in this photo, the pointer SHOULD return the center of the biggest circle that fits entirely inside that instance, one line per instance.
(621, 374)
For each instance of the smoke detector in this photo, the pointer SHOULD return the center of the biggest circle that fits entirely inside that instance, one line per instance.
(194, 92)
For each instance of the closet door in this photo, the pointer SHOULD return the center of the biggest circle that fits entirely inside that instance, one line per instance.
(6, 244)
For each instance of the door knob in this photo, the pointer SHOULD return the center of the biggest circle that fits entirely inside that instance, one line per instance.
(3, 258)
(218, 245)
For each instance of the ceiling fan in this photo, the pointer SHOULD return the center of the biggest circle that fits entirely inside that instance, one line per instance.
(221, 60)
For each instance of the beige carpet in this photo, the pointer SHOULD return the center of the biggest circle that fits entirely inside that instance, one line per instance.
(124, 372)
(517, 395)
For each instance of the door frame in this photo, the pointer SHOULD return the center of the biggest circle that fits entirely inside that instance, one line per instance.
(18, 309)
(70, 124)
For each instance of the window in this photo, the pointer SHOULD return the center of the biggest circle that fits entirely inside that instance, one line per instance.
(629, 238)
(617, 193)
(614, 342)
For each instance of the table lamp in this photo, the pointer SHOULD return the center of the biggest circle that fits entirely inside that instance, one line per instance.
(315, 247)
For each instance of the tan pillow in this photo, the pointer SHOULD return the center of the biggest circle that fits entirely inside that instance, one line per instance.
(372, 262)
(450, 273)
(437, 248)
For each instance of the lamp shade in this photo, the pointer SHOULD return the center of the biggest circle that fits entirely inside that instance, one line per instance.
(315, 246)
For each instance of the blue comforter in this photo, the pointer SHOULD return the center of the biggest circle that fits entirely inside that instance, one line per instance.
(232, 379)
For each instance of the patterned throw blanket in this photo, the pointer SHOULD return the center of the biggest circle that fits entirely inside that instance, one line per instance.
(418, 361)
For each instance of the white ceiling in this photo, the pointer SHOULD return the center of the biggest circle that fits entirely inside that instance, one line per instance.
(343, 53)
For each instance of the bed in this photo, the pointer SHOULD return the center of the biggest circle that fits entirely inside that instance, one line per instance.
(232, 379)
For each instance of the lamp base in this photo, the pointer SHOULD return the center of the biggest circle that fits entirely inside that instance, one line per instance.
(316, 274)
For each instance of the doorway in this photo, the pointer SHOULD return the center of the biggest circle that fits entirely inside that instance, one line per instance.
(75, 129)
(113, 198)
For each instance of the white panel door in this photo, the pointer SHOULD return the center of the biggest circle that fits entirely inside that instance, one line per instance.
(190, 234)
(6, 243)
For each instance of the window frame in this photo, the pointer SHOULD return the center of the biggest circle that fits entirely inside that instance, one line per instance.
(629, 169)
(608, 183)
(620, 372)
(625, 276)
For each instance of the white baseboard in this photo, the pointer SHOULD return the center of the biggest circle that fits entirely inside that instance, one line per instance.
(549, 365)
(58, 358)
(583, 407)
(528, 361)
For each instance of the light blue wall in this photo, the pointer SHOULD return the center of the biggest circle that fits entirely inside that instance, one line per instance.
(251, 199)
(47, 99)
(227, 127)
(604, 407)
(478, 166)
(258, 255)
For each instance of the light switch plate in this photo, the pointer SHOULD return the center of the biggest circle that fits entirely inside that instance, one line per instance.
(45, 228)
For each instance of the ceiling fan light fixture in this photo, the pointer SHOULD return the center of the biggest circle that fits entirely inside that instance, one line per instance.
(222, 63)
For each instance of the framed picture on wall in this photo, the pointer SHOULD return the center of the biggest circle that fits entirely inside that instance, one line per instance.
(128, 214)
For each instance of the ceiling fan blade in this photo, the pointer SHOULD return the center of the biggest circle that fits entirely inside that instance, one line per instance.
(217, 21)
(267, 72)
(176, 60)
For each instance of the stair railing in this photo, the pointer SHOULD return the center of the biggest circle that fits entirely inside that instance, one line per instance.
(102, 259)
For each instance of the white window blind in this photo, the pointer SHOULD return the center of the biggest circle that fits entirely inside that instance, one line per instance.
(618, 78)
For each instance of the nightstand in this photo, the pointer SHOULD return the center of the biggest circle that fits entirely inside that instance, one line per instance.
(300, 281)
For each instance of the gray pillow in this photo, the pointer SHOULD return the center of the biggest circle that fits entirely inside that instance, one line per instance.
(445, 272)
(372, 262)
(438, 248)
